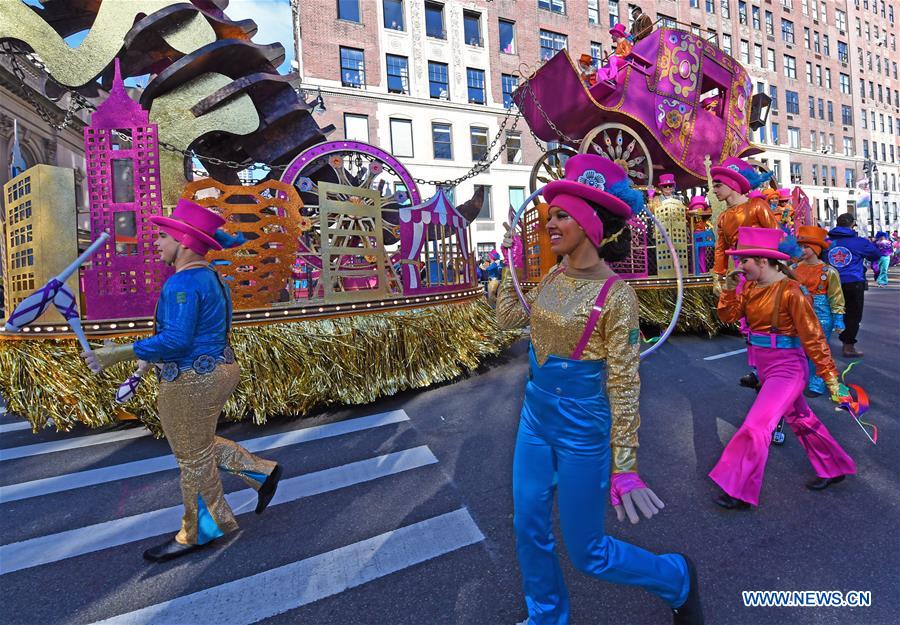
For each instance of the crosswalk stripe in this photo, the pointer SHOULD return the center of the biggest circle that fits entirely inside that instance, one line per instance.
(68, 544)
(14, 427)
(272, 592)
(92, 477)
(24, 451)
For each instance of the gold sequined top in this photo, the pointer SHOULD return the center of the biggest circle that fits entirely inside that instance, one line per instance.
(560, 307)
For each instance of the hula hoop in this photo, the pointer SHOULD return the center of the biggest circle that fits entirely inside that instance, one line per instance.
(679, 278)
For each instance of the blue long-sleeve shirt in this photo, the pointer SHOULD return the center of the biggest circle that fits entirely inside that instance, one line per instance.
(847, 252)
(192, 319)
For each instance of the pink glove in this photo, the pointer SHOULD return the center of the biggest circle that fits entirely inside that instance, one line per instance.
(621, 483)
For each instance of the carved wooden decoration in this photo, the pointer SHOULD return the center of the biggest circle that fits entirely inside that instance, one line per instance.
(268, 215)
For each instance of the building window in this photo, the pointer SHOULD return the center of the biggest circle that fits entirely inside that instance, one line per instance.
(726, 9)
(726, 44)
(612, 7)
(787, 30)
(695, 4)
(478, 137)
(770, 24)
(475, 81)
(846, 115)
(757, 55)
(742, 12)
(711, 7)
(770, 56)
(442, 141)
(845, 84)
(596, 53)
(848, 146)
(434, 20)
(792, 102)
(812, 107)
(348, 10)
(397, 74)
(393, 14)
(486, 212)
(773, 93)
(593, 11)
(401, 137)
(754, 13)
(794, 137)
(123, 180)
(507, 37)
(508, 83)
(353, 68)
(745, 52)
(796, 173)
(556, 6)
(438, 81)
(829, 107)
(849, 178)
(666, 21)
(514, 148)
(774, 133)
(472, 28)
(790, 66)
(516, 197)
(821, 108)
(356, 127)
(551, 43)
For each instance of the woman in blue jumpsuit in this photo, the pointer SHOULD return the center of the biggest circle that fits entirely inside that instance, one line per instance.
(581, 404)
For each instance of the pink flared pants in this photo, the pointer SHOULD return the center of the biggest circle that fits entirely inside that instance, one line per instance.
(783, 373)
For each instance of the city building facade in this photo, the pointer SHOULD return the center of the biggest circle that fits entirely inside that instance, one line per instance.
(430, 82)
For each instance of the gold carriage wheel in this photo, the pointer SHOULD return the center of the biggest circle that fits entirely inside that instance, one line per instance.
(549, 167)
(623, 146)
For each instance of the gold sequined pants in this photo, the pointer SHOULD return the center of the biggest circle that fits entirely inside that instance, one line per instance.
(189, 409)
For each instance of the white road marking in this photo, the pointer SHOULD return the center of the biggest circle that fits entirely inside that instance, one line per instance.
(251, 599)
(14, 427)
(68, 544)
(92, 477)
(25, 451)
(726, 354)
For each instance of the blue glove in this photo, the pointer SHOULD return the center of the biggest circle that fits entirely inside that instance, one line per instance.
(839, 322)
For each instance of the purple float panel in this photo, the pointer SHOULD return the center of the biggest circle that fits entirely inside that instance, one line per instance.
(126, 274)
(435, 255)
(636, 265)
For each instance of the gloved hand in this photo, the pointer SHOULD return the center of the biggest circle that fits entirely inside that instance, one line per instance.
(733, 279)
(99, 359)
(838, 391)
(717, 284)
(839, 322)
(507, 241)
(627, 490)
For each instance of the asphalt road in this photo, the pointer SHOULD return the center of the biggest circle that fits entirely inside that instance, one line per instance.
(400, 512)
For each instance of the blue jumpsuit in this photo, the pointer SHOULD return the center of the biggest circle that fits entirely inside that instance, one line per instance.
(577, 414)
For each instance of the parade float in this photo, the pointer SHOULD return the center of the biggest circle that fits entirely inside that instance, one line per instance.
(351, 286)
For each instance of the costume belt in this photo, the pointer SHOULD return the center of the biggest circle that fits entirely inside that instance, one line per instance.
(203, 364)
(780, 341)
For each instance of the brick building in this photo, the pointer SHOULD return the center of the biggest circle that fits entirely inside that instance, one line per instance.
(429, 81)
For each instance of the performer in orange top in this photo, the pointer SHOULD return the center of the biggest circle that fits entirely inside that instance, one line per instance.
(823, 282)
(782, 327)
(732, 181)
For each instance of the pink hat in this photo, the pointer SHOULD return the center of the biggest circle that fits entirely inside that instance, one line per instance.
(731, 174)
(598, 180)
(618, 29)
(759, 242)
(784, 194)
(698, 200)
(665, 179)
(756, 193)
(192, 225)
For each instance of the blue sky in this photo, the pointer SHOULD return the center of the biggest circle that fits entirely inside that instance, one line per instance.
(273, 17)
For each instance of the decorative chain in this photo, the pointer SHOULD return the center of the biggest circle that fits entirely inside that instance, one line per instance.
(559, 133)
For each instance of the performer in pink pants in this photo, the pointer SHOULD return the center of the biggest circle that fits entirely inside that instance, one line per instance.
(783, 329)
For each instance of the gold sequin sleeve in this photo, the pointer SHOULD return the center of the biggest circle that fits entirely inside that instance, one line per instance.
(619, 327)
(835, 292)
(510, 313)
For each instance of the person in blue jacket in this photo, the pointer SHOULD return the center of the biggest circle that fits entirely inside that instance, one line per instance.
(197, 374)
(847, 254)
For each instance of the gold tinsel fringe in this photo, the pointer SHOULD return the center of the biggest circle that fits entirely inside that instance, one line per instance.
(286, 369)
(698, 309)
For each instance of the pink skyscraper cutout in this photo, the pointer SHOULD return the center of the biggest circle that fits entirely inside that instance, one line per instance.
(126, 274)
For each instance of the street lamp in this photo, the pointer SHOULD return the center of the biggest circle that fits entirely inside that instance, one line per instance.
(870, 168)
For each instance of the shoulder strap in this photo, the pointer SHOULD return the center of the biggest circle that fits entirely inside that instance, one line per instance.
(594, 317)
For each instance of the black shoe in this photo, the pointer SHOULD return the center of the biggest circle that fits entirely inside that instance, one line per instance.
(267, 490)
(809, 393)
(821, 483)
(778, 438)
(691, 611)
(731, 503)
(170, 550)
(750, 381)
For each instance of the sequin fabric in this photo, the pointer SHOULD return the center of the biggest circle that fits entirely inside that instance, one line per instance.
(795, 318)
(560, 307)
(189, 409)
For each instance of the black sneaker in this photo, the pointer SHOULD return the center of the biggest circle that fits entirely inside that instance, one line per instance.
(750, 381)
(691, 611)
(778, 434)
(267, 490)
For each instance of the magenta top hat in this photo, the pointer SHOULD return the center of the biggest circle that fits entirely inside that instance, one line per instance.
(618, 29)
(784, 194)
(738, 174)
(665, 179)
(759, 242)
(592, 178)
(698, 201)
(192, 225)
